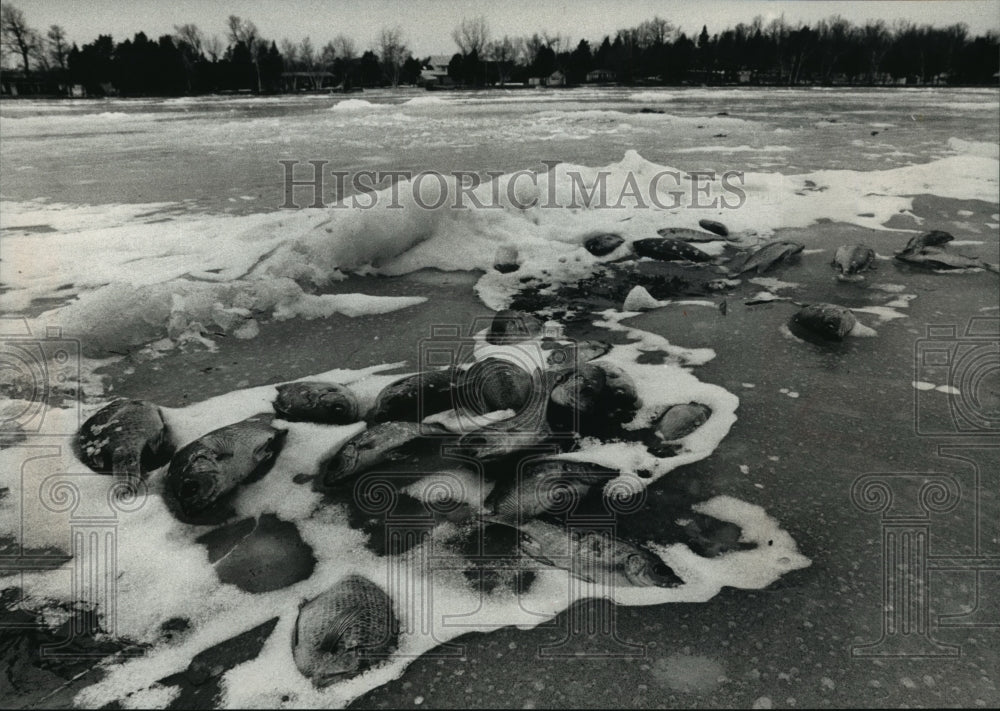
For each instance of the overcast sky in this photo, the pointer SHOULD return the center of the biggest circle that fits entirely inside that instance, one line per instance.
(427, 24)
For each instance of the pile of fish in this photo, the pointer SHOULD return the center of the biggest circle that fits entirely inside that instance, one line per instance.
(573, 394)
(822, 321)
(353, 626)
(930, 250)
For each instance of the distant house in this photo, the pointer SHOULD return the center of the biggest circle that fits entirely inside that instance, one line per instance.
(600, 75)
(16, 83)
(435, 72)
(744, 76)
(556, 78)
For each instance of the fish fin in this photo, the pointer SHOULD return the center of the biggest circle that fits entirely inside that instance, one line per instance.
(336, 634)
(497, 519)
(549, 562)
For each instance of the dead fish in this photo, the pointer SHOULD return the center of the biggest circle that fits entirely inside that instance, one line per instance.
(212, 466)
(505, 260)
(494, 384)
(934, 238)
(415, 397)
(314, 401)
(827, 320)
(593, 399)
(506, 437)
(714, 226)
(669, 249)
(850, 260)
(602, 245)
(935, 258)
(126, 438)
(766, 256)
(510, 326)
(687, 235)
(545, 485)
(528, 427)
(580, 389)
(573, 353)
(595, 556)
(382, 443)
(676, 423)
(344, 631)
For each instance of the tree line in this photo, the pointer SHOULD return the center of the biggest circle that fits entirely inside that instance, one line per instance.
(189, 61)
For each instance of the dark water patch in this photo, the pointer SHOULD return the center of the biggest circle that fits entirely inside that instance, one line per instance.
(200, 683)
(174, 628)
(259, 555)
(656, 357)
(221, 541)
(45, 666)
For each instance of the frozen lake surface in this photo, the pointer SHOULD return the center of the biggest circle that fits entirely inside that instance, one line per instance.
(150, 231)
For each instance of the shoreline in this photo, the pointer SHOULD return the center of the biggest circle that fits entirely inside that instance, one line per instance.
(416, 89)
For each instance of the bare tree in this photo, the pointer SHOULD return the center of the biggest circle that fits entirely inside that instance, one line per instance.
(531, 46)
(556, 41)
(504, 53)
(345, 47)
(16, 36)
(213, 47)
(876, 41)
(471, 35)
(392, 52)
(243, 31)
(190, 34)
(327, 55)
(655, 32)
(836, 35)
(58, 49)
(307, 54)
(246, 32)
(290, 53)
(777, 32)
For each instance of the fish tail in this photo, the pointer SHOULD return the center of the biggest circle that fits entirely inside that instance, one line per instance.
(492, 518)
(126, 468)
(995, 268)
(125, 464)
